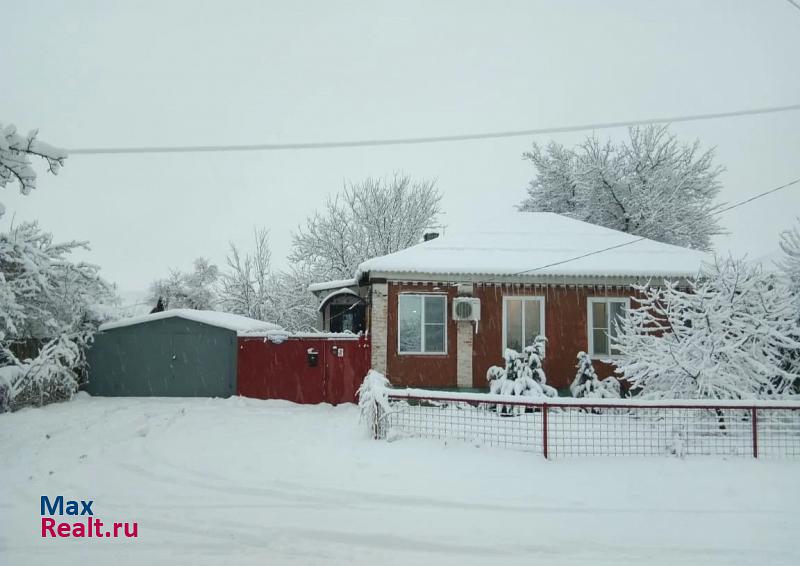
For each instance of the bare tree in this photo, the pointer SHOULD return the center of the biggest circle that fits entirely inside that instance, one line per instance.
(368, 219)
(651, 186)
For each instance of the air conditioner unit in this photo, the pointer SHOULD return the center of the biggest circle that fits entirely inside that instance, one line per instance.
(466, 308)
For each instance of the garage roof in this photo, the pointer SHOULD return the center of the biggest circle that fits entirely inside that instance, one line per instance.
(212, 318)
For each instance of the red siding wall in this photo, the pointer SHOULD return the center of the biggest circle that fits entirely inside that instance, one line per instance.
(565, 328)
(565, 320)
(425, 370)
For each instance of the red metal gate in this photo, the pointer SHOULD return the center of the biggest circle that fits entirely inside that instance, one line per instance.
(304, 369)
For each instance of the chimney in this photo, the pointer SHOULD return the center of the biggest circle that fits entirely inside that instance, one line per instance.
(428, 236)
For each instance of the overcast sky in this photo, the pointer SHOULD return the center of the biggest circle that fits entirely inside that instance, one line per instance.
(96, 74)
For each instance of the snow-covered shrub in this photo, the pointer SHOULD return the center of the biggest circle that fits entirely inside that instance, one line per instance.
(15, 158)
(373, 400)
(523, 374)
(587, 384)
(723, 338)
(53, 375)
(46, 299)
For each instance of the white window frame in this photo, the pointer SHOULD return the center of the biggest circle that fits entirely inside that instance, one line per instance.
(422, 321)
(590, 324)
(508, 298)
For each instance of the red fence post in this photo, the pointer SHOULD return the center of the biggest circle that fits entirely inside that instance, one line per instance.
(754, 421)
(544, 429)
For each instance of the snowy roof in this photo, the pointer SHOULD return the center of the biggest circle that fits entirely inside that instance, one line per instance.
(535, 243)
(336, 284)
(213, 318)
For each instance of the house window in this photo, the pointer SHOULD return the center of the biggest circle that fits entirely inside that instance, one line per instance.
(603, 316)
(523, 320)
(422, 324)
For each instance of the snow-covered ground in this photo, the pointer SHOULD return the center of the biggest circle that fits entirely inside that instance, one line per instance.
(240, 481)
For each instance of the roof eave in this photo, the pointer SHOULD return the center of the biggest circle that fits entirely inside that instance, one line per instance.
(528, 279)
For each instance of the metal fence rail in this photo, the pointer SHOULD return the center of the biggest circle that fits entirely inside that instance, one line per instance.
(571, 427)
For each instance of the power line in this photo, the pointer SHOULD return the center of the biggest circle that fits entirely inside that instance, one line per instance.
(639, 239)
(793, 3)
(423, 140)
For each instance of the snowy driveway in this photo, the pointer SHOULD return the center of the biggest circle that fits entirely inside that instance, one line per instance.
(241, 481)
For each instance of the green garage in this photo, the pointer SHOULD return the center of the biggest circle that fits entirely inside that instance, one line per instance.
(175, 353)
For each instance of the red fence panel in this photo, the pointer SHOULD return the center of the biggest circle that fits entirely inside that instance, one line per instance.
(305, 369)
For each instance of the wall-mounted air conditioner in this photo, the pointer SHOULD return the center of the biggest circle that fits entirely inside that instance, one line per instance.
(466, 308)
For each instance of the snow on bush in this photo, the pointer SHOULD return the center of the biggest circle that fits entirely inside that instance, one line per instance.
(15, 163)
(373, 399)
(49, 308)
(587, 384)
(523, 374)
(724, 337)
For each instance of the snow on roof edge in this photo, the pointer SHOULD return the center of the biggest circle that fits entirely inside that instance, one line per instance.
(334, 284)
(332, 294)
(225, 320)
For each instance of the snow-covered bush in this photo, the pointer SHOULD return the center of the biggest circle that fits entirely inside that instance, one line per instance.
(15, 158)
(48, 300)
(373, 400)
(723, 338)
(587, 384)
(522, 375)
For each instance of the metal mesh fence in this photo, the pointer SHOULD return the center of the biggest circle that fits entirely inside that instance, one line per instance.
(578, 428)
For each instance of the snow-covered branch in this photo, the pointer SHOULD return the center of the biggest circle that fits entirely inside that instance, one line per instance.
(16, 151)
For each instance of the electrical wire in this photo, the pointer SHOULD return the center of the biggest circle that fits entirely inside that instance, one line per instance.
(639, 239)
(423, 139)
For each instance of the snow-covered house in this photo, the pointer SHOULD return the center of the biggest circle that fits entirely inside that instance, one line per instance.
(442, 312)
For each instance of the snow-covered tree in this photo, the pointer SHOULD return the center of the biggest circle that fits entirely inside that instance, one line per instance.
(293, 306)
(50, 301)
(367, 219)
(191, 290)
(790, 261)
(790, 267)
(245, 285)
(250, 287)
(16, 151)
(587, 384)
(722, 338)
(651, 186)
(522, 375)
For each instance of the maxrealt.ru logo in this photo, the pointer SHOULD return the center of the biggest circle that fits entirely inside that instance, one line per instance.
(88, 526)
